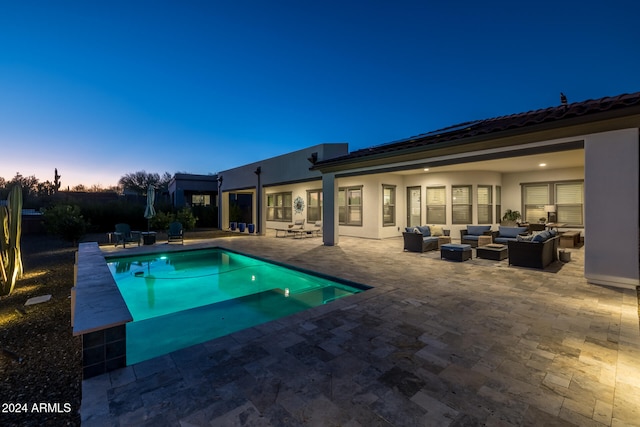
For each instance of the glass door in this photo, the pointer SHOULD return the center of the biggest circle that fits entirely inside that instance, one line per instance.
(413, 206)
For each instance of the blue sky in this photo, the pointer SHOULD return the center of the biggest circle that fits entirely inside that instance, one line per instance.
(99, 89)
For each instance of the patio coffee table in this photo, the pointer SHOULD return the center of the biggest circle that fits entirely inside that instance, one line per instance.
(493, 251)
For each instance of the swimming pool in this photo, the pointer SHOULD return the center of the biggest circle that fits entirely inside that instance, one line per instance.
(178, 299)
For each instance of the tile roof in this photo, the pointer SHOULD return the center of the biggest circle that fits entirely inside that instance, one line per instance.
(499, 124)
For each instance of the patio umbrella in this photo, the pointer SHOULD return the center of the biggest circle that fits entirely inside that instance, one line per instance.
(149, 210)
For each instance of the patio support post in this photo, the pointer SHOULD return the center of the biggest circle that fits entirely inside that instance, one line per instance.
(329, 210)
(219, 202)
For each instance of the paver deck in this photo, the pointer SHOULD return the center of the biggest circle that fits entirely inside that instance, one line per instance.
(435, 343)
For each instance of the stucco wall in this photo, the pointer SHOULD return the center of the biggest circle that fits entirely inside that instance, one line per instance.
(612, 203)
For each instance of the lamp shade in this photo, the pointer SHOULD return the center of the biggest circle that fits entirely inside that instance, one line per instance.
(549, 208)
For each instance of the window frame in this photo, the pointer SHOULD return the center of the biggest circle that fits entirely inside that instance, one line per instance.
(433, 207)
(310, 206)
(272, 210)
(391, 207)
(468, 205)
(348, 209)
(552, 196)
(488, 206)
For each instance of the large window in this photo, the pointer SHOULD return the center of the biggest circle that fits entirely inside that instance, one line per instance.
(388, 205)
(279, 207)
(314, 206)
(569, 202)
(485, 205)
(461, 204)
(200, 200)
(535, 197)
(436, 205)
(350, 206)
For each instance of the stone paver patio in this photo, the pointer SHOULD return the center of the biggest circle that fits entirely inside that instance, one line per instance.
(435, 343)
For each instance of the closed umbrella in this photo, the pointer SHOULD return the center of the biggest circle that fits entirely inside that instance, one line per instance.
(149, 210)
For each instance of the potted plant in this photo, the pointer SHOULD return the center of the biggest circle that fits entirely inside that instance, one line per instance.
(542, 220)
(510, 218)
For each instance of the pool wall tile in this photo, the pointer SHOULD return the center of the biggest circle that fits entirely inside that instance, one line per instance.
(104, 351)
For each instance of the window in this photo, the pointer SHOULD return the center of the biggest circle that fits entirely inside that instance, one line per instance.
(485, 205)
(461, 206)
(535, 196)
(498, 203)
(314, 206)
(569, 202)
(279, 207)
(350, 206)
(200, 200)
(436, 205)
(388, 205)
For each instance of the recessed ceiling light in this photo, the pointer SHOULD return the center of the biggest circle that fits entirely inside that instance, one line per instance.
(542, 165)
(426, 169)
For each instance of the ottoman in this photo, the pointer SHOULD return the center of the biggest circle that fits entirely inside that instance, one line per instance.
(455, 252)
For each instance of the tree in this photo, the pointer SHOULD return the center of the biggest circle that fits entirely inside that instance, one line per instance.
(138, 182)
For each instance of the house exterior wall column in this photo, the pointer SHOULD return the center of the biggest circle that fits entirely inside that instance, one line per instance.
(329, 210)
(612, 188)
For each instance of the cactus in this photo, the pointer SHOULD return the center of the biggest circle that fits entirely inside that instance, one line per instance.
(11, 231)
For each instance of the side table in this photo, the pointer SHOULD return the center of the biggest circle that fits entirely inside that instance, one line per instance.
(485, 240)
(148, 238)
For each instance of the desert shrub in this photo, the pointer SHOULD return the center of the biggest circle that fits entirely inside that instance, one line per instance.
(65, 221)
(162, 220)
(186, 217)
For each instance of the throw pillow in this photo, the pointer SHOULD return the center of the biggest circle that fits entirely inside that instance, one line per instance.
(416, 230)
(424, 229)
(436, 230)
(526, 238)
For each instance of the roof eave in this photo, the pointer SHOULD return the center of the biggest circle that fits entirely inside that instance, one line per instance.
(598, 122)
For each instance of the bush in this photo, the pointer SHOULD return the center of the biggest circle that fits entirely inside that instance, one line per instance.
(186, 217)
(66, 222)
(162, 220)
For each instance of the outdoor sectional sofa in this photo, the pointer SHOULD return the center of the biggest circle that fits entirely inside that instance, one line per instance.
(422, 239)
(534, 251)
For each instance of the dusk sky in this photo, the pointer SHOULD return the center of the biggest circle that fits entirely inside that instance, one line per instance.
(99, 89)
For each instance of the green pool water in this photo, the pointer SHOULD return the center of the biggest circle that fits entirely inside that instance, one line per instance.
(178, 299)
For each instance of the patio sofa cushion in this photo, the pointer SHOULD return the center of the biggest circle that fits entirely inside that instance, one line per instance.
(541, 236)
(455, 247)
(477, 230)
(512, 232)
(424, 229)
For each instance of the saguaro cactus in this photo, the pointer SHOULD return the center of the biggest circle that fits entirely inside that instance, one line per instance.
(10, 234)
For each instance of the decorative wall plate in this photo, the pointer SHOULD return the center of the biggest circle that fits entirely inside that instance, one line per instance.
(298, 204)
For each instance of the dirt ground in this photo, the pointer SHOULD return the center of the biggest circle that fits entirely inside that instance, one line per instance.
(40, 360)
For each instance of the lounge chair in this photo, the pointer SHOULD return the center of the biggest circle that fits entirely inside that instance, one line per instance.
(124, 235)
(175, 233)
(297, 228)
